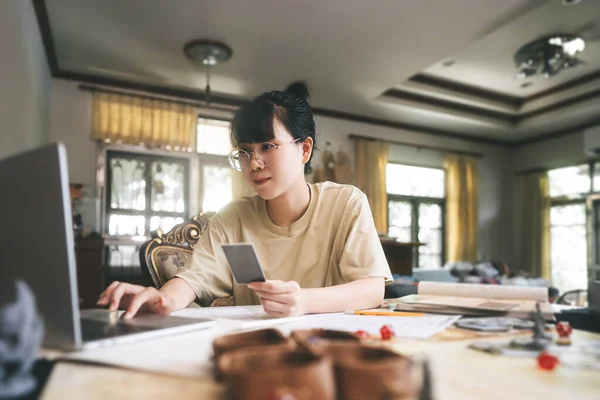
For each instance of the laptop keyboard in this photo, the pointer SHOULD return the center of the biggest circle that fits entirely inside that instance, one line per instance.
(95, 330)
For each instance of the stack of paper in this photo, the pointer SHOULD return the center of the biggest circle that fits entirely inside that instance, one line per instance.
(475, 299)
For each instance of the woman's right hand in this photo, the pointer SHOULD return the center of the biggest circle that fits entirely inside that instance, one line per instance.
(134, 298)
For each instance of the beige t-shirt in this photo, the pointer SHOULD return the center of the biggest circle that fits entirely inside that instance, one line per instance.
(334, 242)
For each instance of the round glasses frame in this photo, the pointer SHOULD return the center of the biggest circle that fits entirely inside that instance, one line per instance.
(265, 153)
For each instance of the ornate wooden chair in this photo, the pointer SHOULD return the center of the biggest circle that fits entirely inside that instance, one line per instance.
(161, 256)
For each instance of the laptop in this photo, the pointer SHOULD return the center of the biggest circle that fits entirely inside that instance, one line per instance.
(37, 246)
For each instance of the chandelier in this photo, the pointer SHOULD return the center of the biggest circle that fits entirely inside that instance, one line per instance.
(548, 56)
(207, 53)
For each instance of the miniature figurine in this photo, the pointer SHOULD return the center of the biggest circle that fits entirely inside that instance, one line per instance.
(540, 340)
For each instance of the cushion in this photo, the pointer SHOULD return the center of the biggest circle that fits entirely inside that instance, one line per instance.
(168, 260)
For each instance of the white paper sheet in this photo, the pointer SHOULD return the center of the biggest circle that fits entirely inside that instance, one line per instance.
(404, 327)
(248, 317)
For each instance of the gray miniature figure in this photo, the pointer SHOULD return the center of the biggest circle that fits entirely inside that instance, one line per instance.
(21, 334)
(539, 324)
(540, 340)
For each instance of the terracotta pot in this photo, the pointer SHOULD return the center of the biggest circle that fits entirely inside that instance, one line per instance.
(259, 338)
(365, 372)
(263, 373)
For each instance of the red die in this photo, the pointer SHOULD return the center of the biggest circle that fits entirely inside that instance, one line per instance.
(363, 335)
(563, 329)
(547, 361)
(386, 332)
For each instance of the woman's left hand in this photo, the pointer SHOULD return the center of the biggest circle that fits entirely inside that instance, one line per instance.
(279, 298)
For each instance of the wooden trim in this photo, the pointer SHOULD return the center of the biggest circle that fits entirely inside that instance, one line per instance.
(41, 13)
(557, 134)
(93, 89)
(475, 111)
(511, 118)
(418, 146)
(508, 100)
(561, 104)
(589, 161)
(530, 171)
(565, 86)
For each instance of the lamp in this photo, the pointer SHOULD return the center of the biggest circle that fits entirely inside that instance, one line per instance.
(208, 53)
(548, 56)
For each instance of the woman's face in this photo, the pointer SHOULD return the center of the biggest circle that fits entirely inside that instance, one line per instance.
(272, 180)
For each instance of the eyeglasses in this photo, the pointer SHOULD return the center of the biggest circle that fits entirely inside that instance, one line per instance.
(265, 153)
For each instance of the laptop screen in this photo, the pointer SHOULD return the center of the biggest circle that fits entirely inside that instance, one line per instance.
(36, 238)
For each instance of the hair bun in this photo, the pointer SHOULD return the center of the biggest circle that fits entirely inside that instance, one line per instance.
(298, 89)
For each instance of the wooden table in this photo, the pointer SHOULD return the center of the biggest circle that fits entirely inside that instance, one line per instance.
(458, 373)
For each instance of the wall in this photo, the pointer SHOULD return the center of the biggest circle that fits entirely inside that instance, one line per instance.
(551, 153)
(71, 122)
(25, 83)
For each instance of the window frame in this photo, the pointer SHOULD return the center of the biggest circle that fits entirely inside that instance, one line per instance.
(587, 199)
(148, 158)
(415, 202)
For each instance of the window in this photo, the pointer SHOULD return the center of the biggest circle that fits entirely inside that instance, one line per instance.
(212, 137)
(568, 234)
(144, 192)
(212, 142)
(570, 181)
(416, 210)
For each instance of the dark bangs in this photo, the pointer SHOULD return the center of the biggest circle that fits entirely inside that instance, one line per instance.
(253, 123)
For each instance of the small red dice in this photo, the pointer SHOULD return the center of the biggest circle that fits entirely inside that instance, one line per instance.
(386, 332)
(547, 361)
(563, 329)
(362, 335)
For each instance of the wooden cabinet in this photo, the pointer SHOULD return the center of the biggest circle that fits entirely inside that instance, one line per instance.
(399, 255)
(90, 269)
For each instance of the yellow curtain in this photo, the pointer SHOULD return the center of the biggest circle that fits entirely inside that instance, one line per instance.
(535, 224)
(461, 207)
(371, 161)
(136, 120)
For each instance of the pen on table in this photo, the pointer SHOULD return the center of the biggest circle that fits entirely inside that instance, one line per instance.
(386, 313)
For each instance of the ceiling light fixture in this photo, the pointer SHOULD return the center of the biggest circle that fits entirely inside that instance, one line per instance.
(208, 53)
(548, 56)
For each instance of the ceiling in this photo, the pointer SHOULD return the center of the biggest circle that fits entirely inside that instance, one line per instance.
(380, 62)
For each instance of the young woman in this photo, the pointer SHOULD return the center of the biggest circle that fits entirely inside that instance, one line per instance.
(317, 243)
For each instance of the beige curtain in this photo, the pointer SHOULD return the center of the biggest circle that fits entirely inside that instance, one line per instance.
(461, 207)
(136, 120)
(239, 186)
(535, 224)
(371, 161)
